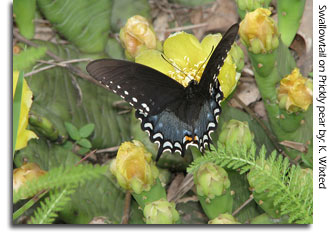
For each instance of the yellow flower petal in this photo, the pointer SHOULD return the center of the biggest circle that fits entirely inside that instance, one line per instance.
(153, 59)
(210, 41)
(23, 135)
(228, 77)
(184, 49)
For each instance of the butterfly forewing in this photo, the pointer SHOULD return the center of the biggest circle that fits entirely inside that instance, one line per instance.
(144, 88)
(216, 61)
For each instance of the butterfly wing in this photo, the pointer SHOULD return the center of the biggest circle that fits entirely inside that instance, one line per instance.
(209, 109)
(216, 61)
(146, 89)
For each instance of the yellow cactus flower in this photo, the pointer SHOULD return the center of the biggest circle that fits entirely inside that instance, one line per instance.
(23, 135)
(136, 35)
(189, 56)
(134, 168)
(26, 173)
(259, 32)
(295, 92)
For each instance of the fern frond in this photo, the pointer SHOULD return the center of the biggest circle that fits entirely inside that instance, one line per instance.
(47, 212)
(239, 158)
(292, 196)
(59, 177)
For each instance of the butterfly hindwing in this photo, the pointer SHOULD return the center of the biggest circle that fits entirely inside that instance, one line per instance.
(144, 88)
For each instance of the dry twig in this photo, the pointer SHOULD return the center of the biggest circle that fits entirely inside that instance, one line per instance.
(71, 68)
(125, 218)
(243, 205)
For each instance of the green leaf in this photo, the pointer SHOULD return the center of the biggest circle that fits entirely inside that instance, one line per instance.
(289, 18)
(72, 130)
(240, 186)
(285, 60)
(17, 107)
(46, 155)
(84, 23)
(24, 11)
(124, 9)
(86, 130)
(59, 96)
(99, 197)
(114, 49)
(68, 145)
(84, 143)
(28, 57)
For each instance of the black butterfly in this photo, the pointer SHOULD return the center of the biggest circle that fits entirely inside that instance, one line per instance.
(173, 115)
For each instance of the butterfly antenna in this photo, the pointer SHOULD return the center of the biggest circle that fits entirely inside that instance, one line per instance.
(205, 61)
(174, 65)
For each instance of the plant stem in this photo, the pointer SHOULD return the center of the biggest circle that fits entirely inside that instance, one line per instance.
(28, 204)
(125, 218)
(85, 157)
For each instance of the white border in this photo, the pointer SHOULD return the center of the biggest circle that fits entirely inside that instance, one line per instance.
(321, 197)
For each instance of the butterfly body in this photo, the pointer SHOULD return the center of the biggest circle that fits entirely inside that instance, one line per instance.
(174, 116)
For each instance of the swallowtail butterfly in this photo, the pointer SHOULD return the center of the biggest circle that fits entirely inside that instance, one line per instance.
(174, 116)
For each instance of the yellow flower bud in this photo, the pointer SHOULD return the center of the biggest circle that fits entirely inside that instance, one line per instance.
(161, 212)
(259, 32)
(136, 35)
(211, 180)
(236, 133)
(23, 135)
(26, 173)
(134, 168)
(295, 92)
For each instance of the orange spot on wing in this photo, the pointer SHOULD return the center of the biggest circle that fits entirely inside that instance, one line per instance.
(188, 138)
